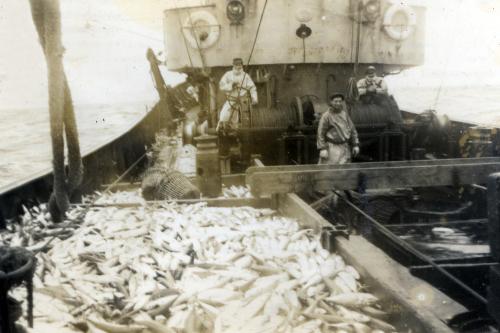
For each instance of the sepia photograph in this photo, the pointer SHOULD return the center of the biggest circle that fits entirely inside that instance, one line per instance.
(249, 166)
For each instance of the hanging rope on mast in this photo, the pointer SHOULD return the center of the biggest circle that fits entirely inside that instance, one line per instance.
(47, 18)
(358, 37)
(177, 13)
(451, 50)
(257, 33)
(253, 45)
(352, 90)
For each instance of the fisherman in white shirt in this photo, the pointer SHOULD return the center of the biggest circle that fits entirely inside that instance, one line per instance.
(235, 83)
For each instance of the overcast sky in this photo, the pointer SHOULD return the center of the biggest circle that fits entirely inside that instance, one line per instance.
(105, 57)
(462, 44)
(106, 42)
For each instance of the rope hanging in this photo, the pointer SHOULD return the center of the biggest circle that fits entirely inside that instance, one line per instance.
(253, 46)
(352, 90)
(47, 18)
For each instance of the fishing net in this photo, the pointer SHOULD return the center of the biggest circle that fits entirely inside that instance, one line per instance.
(163, 184)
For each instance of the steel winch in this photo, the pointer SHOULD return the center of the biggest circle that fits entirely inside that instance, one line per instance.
(379, 125)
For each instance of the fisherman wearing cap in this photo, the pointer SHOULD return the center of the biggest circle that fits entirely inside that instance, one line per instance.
(371, 86)
(235, 83)
(337, 138)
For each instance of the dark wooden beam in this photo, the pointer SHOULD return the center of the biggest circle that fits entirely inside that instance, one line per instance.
(375, 164)
(378, 175)
(387, 279)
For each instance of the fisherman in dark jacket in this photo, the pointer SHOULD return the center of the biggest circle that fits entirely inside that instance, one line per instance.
(337, 138)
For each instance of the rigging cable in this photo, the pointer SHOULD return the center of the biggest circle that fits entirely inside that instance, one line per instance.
(202, 58)
(352, 91)
(235, 107)
(358, 39)
(352, 38)
(253, 47)
(178, 15)
(438, 94)
(257, 33)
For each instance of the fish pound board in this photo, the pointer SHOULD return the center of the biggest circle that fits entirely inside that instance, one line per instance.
(167, 267)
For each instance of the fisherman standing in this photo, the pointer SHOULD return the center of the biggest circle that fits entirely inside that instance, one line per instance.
(337, 138)
(371, 86)
(235, 84)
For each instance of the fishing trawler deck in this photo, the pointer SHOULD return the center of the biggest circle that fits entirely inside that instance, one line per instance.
(172, 264)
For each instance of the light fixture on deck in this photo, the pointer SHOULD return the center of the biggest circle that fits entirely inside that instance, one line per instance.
(235, 11)
(371, 10)
(303, 31)
(367, 11)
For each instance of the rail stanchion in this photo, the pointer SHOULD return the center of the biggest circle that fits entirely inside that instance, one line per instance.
(494, 235)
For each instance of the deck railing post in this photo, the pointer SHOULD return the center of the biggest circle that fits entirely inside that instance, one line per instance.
(494, 235)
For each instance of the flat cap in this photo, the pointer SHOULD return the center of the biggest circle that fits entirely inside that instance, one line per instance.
(337, 94)
(370, 70)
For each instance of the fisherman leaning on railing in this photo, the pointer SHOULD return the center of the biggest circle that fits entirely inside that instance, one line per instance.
(371, 86)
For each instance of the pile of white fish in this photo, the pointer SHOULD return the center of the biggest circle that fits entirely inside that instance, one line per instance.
(192, 268)
(36, 227)
(119, 197)
(234, 191)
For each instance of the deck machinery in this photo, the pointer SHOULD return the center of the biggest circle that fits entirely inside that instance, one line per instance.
(298, 53)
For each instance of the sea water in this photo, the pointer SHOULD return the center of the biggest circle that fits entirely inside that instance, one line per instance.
(25, 145)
